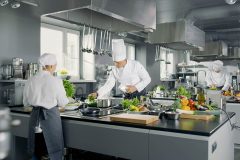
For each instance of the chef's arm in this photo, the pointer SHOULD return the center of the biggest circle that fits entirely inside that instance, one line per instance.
(62, 99)
(227, 83)
(107, 87)
(208, 79)
(144, 76)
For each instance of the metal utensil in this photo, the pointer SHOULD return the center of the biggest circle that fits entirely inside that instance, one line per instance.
(100, 43)
(83, 40)
(103, 39)
(89, 50)
(109, 52)
(95, 41)
(106, 43)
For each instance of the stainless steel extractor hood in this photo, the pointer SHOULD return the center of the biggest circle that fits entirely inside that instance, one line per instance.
(217, 48)
(122, 16)
(179, 35)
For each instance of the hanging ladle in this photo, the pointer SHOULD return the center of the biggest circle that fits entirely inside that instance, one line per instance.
(83, 40)
(95, 41)
(109, 52)
(89, 50)
(102, 47)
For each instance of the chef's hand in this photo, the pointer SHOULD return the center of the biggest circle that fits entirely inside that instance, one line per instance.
(93, 94)
(131, 89)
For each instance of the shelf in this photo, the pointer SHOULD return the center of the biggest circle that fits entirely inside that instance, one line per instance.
(192, 66)
(167, 80)
(12, 80)
(73, 81)
(83, 81)
(214, 58)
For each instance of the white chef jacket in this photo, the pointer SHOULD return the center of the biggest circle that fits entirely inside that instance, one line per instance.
(219, 79)
(44, 90)
(133, 73)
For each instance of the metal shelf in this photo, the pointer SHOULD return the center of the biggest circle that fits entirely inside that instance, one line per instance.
(12, 80)
(192, 66)
(214, 58)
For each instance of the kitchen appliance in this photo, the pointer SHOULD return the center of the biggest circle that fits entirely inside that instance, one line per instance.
(17, 64)
(180, 35)
(4, 132)
(6, 71)
(12, 92)
(99, 112)
(214, 48)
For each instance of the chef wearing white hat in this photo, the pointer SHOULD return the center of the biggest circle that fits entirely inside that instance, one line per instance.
(132, 76)
(217, 77)
(45, 93)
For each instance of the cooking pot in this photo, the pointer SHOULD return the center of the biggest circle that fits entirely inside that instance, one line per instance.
(103, 103)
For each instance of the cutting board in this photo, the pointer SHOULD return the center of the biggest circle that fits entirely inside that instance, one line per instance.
(199, 117)
(134, 118)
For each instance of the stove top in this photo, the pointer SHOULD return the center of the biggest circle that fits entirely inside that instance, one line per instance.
(99, 112)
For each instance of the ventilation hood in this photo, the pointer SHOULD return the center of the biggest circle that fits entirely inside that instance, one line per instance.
(121, 16)
(179, 35)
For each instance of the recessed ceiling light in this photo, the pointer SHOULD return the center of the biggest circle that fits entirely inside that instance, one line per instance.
(15, 4)
(3, 2)
(230, 1)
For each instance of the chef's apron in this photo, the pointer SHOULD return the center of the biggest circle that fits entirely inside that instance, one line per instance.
(51, 126)
(135, 94)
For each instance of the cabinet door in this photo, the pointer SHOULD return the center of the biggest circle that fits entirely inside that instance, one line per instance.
(174, 146)
(119, 141)
(235, 107)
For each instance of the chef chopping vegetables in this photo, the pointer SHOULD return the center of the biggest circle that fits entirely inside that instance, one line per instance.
(217, 77)
(131, 74)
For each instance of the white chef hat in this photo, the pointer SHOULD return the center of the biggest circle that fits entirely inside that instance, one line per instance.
(118, 50)
(47, 59)
(217, 65)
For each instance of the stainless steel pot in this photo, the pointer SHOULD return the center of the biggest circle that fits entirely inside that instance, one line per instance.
(103, 103)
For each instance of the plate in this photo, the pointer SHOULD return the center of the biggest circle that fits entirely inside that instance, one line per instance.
(70, 108)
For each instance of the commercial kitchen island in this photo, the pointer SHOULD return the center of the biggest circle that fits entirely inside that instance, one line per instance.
(183, 139)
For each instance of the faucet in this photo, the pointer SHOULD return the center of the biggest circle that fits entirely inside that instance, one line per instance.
(198, 73)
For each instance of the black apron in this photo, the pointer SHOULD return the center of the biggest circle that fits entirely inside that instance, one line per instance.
(51, 125)
(135, 94)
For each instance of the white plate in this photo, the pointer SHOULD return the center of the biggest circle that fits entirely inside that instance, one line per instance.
(70, 108)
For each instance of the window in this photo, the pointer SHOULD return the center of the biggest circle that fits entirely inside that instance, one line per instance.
(167, 62)
(130, 48)
(64, 43)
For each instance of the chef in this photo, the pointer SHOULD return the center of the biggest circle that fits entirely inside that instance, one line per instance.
(217, 77)
(131, 74)
(45, 93)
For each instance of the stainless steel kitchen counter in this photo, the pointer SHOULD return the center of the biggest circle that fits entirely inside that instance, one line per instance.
(211, 139)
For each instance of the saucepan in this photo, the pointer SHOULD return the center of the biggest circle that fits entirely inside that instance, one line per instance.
(103, 103)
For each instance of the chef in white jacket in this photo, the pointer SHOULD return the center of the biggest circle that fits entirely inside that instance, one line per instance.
(217, 77)
(45, 93)
(131, 74)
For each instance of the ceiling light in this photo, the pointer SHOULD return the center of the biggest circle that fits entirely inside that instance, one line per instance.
(15, 4)
(3, 2)
(230, 1)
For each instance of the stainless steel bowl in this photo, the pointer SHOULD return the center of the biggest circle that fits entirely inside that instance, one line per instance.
(171, 115)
